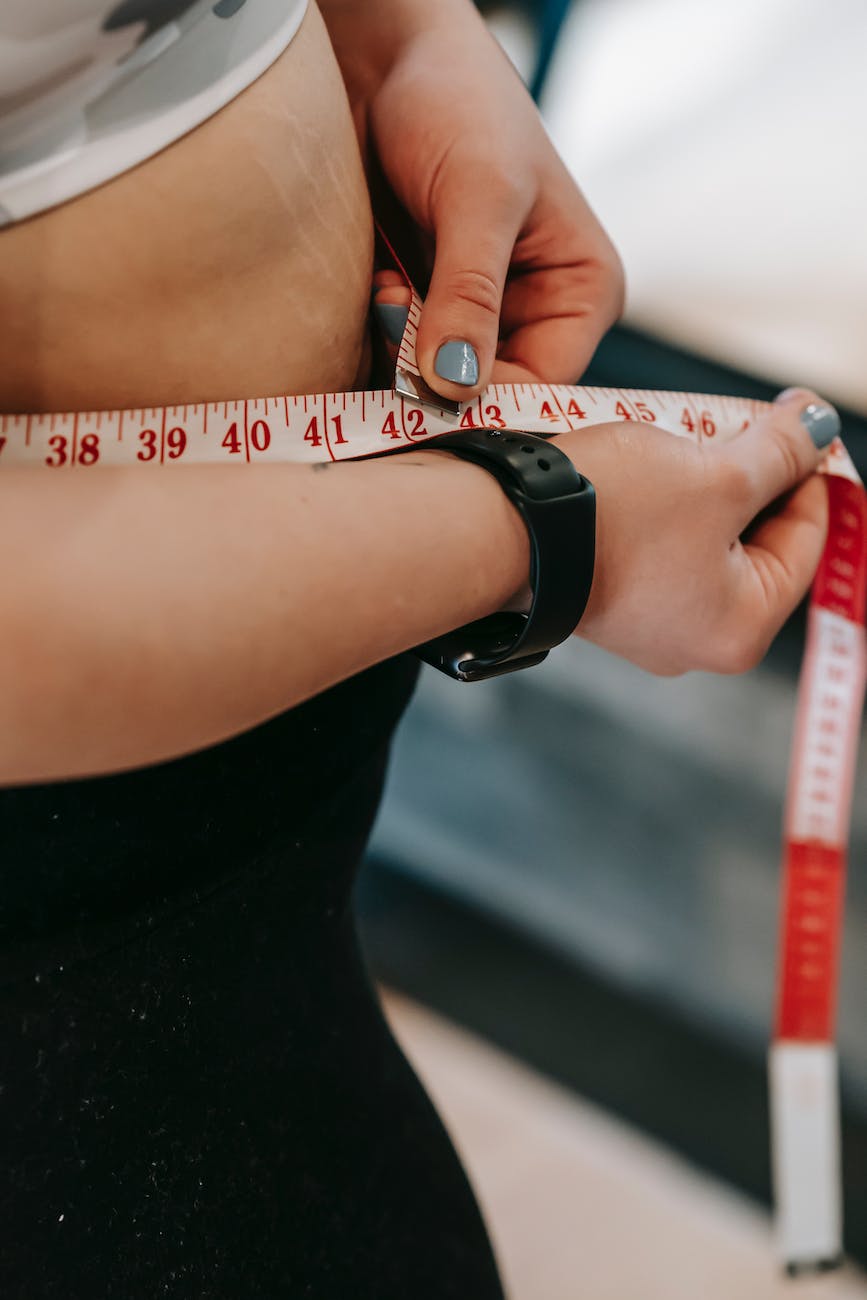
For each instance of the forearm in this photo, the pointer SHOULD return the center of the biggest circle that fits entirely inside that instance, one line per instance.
(151, 614)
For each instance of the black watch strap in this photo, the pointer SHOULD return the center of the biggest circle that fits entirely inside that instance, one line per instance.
(559, 508)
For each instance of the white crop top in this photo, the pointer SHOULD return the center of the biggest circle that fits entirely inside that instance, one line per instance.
(90, 88)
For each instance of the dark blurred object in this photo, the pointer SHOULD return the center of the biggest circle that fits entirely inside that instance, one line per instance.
(546, 18)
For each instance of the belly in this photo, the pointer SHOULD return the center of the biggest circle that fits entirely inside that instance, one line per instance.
(235, 263)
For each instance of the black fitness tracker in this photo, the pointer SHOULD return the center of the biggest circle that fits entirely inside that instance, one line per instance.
(558, 506)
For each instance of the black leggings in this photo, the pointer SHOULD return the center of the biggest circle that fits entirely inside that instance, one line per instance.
(199, 1096)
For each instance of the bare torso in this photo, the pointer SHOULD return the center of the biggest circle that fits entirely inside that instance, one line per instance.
(235, 263)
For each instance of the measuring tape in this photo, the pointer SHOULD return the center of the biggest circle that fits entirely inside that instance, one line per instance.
(345, 426)
(803, 1064)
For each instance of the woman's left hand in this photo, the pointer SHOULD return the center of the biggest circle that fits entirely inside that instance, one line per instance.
(524, 280)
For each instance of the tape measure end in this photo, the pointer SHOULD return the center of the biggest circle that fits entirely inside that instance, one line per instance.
(805, 1123)
(414, 389)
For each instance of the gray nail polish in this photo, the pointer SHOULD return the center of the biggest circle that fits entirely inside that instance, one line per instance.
(821, 422)
(392, 319)
(457, 362)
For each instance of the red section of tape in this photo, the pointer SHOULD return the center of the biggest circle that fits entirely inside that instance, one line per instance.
(842, 577)
(815, 869)
(815, 879)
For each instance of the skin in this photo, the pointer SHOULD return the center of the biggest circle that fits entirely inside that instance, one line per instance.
(257, 281)
(151, 615)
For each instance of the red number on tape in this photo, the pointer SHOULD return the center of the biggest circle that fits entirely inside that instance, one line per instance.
(260, 436)
(415, 421)
(312, 434)
(176, 443)
(148, 439)
(337, 421)
(232, 441)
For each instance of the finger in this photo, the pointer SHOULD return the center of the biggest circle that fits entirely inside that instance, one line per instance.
(556, 311)
(781, 449)
(391, 302)
(780, 559)
(390, 286)
(562, 320)
(476, 229)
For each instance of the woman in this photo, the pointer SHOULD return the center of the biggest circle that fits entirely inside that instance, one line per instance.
(201, 670)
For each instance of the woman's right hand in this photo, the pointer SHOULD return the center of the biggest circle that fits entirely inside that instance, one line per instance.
(704, 551)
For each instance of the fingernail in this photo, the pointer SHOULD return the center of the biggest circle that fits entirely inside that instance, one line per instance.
(457, 362)
(821, 422)
(392, 319)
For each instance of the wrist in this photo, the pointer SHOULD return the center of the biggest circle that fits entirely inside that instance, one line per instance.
(558, 507)
(500, 547)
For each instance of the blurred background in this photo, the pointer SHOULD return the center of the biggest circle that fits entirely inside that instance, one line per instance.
(572, 893)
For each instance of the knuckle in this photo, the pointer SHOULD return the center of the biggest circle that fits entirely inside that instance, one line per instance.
(803, 396)
(612, 270)
(670, 670)
(738, 653)
(595, 278)
(475, 288)
(506, 189)
(618, 305)
(788, 452)
(733, 482)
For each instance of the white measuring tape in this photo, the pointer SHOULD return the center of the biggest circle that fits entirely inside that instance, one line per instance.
(345, 426)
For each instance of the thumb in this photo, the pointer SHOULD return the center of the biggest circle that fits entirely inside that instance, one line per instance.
(457, 336)
(782, 449)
